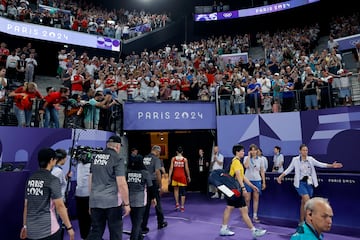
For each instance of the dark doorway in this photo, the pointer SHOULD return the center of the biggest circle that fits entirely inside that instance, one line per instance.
(190, 141)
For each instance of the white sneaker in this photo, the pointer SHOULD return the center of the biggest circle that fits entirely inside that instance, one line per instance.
(258, 232)
(226, 232)
(216, 195)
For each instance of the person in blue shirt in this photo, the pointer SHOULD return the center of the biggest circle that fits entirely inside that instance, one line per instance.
(318, 219)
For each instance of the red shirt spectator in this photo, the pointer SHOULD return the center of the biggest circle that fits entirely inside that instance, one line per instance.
(84, 24)
(75, 25)
(210, 77)
(56, 97)
(4, 53)
(121, 86)
(175, 83)
(77, 83)
(110, 80)
(185, 86)
(164, 79)
(24, 97)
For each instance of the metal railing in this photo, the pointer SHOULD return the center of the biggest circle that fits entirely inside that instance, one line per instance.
(327, 97)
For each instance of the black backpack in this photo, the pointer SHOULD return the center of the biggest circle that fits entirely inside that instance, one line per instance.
(227, 184)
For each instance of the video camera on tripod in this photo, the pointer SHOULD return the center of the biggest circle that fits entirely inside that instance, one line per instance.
(84, 154)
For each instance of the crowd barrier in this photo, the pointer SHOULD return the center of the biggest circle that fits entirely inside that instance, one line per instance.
(327, 96)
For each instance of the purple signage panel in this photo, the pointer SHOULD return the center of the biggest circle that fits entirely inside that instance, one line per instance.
(51, 34)
(234, 57)
(17, 145)
(282, 6)
(348, 42)
(331, 134)
(21, 146)
(281, 201)
(169, 116)
(227, 15)
(205, 17)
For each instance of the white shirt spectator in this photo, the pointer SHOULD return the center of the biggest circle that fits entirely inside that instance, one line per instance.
(218, 157)
(11, 61)
(90, 68)
(265, 85)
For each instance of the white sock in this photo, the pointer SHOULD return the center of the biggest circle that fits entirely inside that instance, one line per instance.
(255, 215)
(253, 229)
(224, 226)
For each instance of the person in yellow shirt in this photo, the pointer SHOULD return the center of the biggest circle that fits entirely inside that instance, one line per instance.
(237, 171)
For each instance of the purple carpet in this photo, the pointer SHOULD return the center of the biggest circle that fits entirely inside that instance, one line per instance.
(202, 220)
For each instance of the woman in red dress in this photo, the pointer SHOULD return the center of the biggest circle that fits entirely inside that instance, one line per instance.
(179, 175)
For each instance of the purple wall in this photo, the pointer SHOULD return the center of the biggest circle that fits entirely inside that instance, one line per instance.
(21, 145)
(331, 134)
(280, 202)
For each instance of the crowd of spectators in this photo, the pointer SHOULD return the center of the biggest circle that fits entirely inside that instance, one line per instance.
(292, 75)
(84, 17)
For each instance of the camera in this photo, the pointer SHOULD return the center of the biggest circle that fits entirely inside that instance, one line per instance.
(84, 154)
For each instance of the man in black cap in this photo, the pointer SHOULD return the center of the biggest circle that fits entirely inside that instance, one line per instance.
(152, 163)
(109, 194)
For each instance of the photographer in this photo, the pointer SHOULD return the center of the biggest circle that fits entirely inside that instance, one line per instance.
(82, 192)
(109, 193)
(225, 96)
(310, 87)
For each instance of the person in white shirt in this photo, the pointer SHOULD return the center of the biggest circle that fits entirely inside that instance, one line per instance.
(31, 63)
(305, 178)
(332, 43)
(278, 160)
(11, 63)
(62, 57)
(217, 162)
(82, 198)
(3, 84)
(255, 172)
(264, 159)
(59, 172)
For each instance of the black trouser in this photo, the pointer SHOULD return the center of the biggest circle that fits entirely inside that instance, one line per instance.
(11, 74)
(136, 215)
(55, 236)
(111, 216)
(83, 216)
(158, 208)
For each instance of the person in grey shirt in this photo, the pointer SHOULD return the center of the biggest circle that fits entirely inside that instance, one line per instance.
(42, 198)
(109, 194)
(153, 165)
(140, 186)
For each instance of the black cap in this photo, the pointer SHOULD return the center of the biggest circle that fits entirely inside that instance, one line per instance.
(114, 139)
